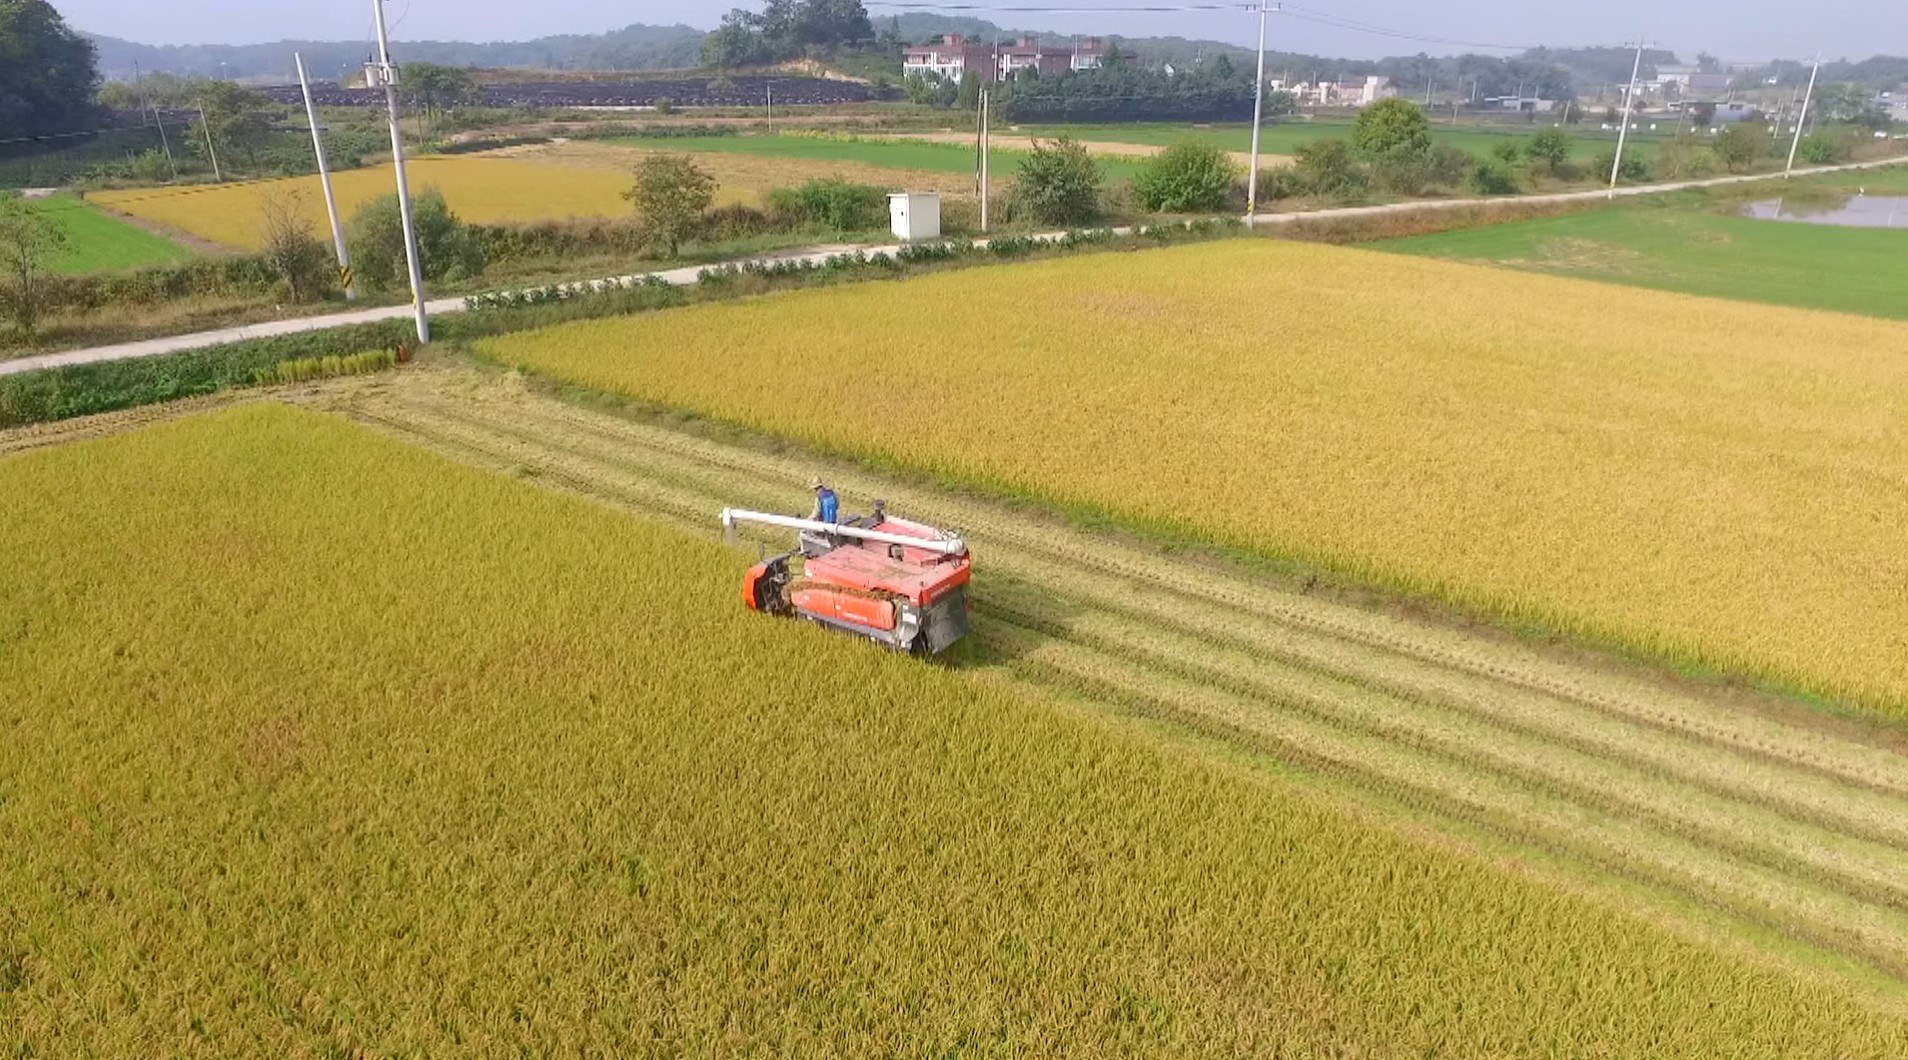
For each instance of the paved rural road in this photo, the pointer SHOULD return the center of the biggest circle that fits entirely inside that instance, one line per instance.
(687, 276)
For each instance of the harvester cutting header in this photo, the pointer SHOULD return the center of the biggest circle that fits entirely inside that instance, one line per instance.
(896, 582)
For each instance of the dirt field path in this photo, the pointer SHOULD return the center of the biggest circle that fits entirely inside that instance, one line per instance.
(1755, 824)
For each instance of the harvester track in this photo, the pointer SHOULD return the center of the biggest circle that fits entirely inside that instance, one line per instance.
(1767, 829)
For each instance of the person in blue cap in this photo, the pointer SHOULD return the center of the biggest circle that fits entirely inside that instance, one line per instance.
(827, 508)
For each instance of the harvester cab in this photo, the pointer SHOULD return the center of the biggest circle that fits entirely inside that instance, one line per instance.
(898, 583)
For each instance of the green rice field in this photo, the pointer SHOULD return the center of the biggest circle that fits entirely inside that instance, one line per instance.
(97, 241)
(896, 153)
(1287, 135)
(1704, 249)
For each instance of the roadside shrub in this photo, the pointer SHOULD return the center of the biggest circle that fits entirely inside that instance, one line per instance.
(1404, 172)
(737, 221)
(1737, 147)
(832, 203)
(1330, 168)
(1188, 177)
(1549, 149)
(1447, 166)
(665, 105)
(1509, 152)
(1059, 183)
(446, 247)
(1281, 182)
(1634, 169)
(1822, 149)
(1492, 177)
(1686, 157)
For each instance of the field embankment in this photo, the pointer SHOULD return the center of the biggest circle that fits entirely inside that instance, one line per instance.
(1710, 486)
(341, 734)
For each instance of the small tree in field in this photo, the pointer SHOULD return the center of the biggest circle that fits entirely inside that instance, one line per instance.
(1736, 147)
(28, 241)
(292, 246)
(670, 195)
(1549, 148)
(1390, 127)
(1059, 183)
(1188, 177)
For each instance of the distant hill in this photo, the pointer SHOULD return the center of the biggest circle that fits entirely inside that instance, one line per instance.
(633, 48)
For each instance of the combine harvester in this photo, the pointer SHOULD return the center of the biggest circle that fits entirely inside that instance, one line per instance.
(896, 582)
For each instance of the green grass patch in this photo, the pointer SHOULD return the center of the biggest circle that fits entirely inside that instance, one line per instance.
(96, 241)
(895, 154)
(1700, 249)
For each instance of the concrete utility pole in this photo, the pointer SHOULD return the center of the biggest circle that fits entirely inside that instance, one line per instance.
(771, 108)
(206, 128)
(1806, 100)
(987, 147)
(1629, 106)
(1258, 118)
(324, 179)
(382, 72)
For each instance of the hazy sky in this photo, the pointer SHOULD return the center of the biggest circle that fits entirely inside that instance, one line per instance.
(1743, 30)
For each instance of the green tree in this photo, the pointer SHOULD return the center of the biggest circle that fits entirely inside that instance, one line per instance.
(239, 121)
(1188, 177)
(670, 194)
(1391, 126)
(28, 241)
(1059, 183)
(48, 73)
(1737, 147)
(1549, 148)
(432, 89)
(446, 247)
(1822, 149)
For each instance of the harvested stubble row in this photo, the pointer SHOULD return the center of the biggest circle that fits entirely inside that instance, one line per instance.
(536, 784)
(1794, 830)
(1711, 483)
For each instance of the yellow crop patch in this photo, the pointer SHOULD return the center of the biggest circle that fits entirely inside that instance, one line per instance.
(477, 188)
(1718, 484)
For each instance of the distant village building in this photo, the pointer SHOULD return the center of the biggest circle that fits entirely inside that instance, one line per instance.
(955, 56)
(1522, 104)
(1354, 92)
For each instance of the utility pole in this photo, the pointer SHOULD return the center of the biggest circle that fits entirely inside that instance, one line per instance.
(987, 147)
(156, 120)
(206, 128)
(324, 178)
(1806, 100)
(1258, 118)
(771, 108)
(1629, 106)
(382, 72)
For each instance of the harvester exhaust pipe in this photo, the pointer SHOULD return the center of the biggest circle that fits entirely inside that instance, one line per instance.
(946, 546)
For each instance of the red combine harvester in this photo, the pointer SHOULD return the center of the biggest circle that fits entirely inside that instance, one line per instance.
(896, 582)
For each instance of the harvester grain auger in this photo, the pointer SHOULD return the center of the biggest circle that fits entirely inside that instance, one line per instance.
(899, 583)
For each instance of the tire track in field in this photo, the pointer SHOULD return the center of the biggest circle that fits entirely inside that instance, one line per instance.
(1778, 820)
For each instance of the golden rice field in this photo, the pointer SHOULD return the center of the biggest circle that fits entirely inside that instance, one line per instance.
(478, 189)
(1714, 483)
(318, 744)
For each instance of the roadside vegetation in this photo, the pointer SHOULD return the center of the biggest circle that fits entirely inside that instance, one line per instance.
(320, 802)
